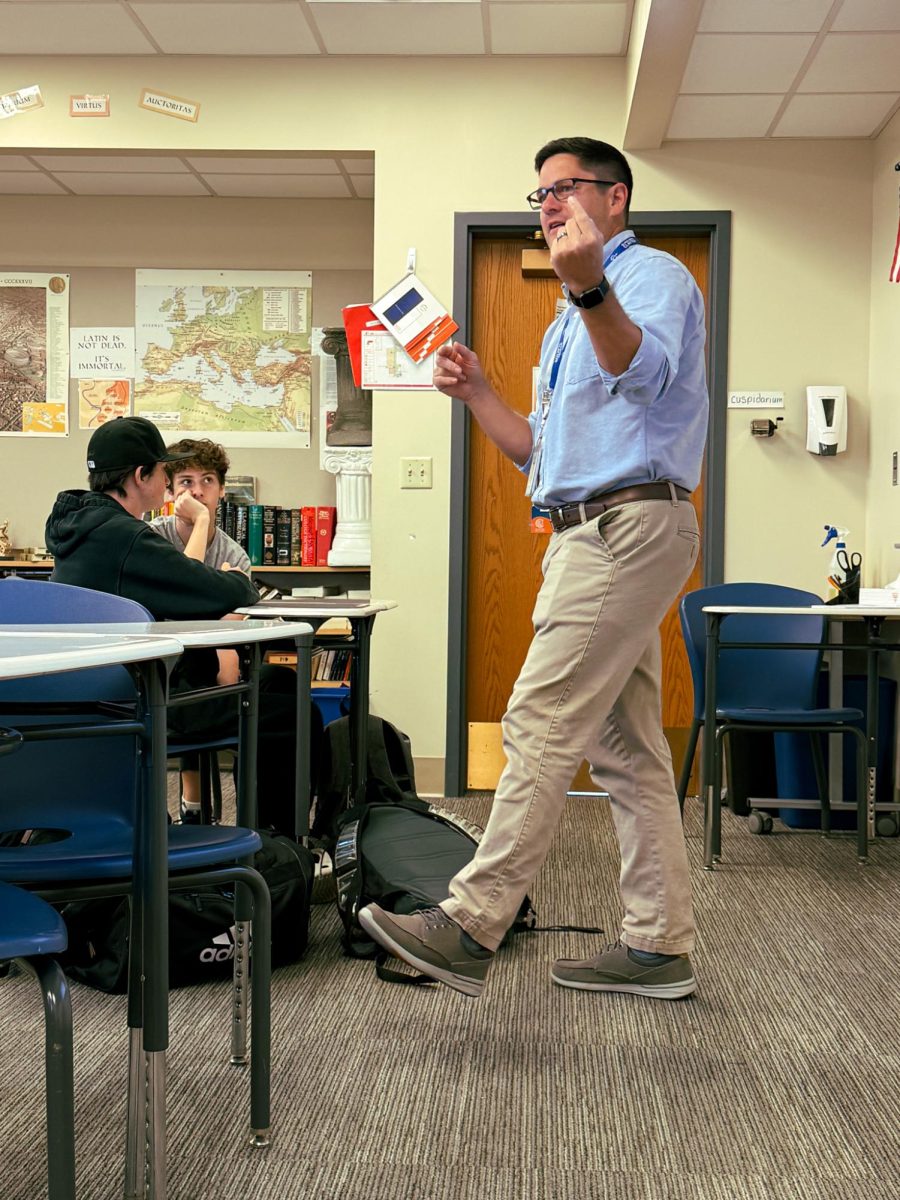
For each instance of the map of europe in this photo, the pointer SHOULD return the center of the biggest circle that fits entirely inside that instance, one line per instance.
(224, 355)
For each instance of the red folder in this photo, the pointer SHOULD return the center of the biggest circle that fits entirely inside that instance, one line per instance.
(358, 317)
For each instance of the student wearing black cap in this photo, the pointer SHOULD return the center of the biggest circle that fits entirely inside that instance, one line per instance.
(99, 540)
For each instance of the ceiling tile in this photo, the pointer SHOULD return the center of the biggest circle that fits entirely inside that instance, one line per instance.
(558, 28)
(722, 116)
(22, 183)
(263, 165)
(753, 62)
(763, 16)
(16, 162)
(880, 15)
(835, 116)
(69, 28)
(322, 186)
(191, 28)
(363, 185)
(98, 183)
(356, 27)
(106, 163)
(855, 62)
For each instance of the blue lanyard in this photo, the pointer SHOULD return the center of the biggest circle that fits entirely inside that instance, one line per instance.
(620, 249)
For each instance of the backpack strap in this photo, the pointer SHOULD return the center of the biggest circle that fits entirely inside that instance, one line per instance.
(386, 975)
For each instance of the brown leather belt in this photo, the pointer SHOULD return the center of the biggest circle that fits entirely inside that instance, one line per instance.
(576, 514)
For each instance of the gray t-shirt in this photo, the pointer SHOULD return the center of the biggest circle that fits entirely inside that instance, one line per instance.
(220, 550)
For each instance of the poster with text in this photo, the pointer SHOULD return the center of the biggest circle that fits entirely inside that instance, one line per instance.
(34, 354)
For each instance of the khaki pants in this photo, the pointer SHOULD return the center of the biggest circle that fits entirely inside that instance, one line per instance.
(590, 688)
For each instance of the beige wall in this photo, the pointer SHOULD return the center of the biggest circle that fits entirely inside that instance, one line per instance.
(100, 241)
(884, 498)
(460, 135)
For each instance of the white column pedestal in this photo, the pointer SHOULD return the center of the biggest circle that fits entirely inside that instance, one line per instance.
(352, 468)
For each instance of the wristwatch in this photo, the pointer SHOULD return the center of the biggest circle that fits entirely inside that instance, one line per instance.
(592, 297)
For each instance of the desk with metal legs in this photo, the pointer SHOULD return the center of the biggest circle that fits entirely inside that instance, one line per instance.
(873, 619)
(25, 653)
(161, 643)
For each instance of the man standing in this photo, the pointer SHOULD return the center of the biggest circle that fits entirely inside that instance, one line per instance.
(613, 452)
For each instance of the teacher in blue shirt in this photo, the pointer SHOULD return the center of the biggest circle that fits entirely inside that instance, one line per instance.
(613, 451)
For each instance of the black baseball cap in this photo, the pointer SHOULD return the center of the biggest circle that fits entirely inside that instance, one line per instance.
(127, 442)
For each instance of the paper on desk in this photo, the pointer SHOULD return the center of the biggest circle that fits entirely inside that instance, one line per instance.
(886, 597)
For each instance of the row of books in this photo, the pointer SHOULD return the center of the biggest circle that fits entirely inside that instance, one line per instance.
(331, 665)
(280, 537)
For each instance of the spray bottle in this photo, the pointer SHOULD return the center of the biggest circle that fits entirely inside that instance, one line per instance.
(836, 573)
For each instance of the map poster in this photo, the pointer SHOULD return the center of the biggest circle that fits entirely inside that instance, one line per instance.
(225, 355)
(100, 400)
(34, 354)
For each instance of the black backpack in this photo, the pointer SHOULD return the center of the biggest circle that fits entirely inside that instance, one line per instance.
(201, 925)
(401, 855)
(390, 774)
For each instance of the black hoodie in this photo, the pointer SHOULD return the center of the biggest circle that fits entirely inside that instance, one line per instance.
(97, 544)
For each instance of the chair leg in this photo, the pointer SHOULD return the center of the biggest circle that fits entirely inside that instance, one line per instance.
(685, 777)
(59, 1075)
(862, 797)
(216, 780)
(239, 1056)
(260, 1006)
(821, 781)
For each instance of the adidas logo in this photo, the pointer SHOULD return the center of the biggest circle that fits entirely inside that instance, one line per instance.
(222, 948)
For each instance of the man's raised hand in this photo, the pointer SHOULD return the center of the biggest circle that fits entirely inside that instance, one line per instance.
(458, 373)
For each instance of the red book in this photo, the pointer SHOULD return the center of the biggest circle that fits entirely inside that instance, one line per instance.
(308, 536)
(325, 520)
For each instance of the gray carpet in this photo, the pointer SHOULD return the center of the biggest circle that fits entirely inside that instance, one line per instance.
(780, 1080)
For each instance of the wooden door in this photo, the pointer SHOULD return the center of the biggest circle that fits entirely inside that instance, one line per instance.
(510, 313)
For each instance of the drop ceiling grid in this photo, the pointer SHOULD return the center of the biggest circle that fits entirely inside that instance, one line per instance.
(817, 68)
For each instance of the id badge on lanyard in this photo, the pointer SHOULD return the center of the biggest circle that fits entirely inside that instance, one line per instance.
(534, 471)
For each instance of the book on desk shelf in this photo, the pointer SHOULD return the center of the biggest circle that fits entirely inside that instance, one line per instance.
(255, 534)
(282, 537)
(268, 536)
(325, 520)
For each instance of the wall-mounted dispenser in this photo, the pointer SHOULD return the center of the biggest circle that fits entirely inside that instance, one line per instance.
(826, 420)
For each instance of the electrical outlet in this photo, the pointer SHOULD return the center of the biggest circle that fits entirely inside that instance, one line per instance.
(415, 472)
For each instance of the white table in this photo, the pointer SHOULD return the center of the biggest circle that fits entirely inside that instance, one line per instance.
(361, 614)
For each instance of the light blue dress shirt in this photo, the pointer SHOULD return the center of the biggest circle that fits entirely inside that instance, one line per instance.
(605, 431)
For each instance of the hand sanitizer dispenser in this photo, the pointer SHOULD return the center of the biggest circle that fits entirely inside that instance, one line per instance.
(826, 420)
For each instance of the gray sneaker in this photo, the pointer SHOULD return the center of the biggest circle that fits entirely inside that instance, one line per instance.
(614, 970)
(432, 943)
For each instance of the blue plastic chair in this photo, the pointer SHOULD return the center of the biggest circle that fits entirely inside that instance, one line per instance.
(28, 602)
(31, 931)
(68, 807)
(763, 690)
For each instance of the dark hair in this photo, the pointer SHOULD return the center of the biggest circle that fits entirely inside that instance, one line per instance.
(204, 454)
(114, 481)
(601, 157)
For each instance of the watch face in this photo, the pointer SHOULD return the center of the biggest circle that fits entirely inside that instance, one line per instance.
(593, 296)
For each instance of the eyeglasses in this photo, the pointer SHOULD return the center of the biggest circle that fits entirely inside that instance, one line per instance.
(563, 189)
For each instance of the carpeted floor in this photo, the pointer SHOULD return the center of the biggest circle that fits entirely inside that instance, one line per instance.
(780, 1080)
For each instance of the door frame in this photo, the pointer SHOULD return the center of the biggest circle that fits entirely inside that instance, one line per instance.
(468, 226)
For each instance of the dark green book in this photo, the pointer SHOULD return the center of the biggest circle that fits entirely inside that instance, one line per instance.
(255, 534)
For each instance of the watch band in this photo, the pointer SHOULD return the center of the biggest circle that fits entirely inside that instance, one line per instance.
(592, 297)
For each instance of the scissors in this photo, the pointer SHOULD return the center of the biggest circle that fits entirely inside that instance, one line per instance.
(849, 562)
